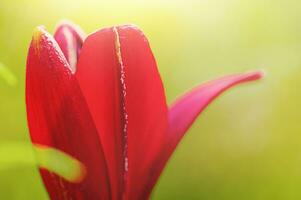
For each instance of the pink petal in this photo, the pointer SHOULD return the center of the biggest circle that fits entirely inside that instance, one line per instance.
(70, 38)
(188, 107)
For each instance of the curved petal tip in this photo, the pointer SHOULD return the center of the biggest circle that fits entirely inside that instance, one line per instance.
(73, 26)
(70, 38)
(256, 75)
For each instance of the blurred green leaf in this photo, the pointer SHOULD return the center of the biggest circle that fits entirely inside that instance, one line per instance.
(60, 163)
(7, 75)
(18, 154)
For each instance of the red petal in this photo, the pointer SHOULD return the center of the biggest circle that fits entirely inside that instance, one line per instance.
(58, 116)
(187, 108)
(146, 109)
(109, 57)
(70, 38)
(98, 76)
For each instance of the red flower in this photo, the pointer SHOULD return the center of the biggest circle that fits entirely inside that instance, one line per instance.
(102, 101)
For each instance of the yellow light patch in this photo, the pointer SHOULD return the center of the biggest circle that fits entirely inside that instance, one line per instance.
(36, 39)
(7, 75)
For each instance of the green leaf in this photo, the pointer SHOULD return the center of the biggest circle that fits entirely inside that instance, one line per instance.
(18, 154)
(7, 75)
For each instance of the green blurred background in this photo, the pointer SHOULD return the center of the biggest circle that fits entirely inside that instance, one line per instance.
(245, 146)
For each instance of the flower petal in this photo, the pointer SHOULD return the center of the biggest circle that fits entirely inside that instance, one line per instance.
(58, 117)
(98, 76)
(119, 78)
(188, 107)
(70, 38)
(146, 108)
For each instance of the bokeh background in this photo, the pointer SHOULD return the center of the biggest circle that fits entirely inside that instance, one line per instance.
(245, 146)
